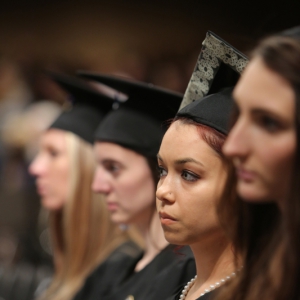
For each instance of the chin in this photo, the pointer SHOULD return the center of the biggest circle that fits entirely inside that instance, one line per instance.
(50, 205)
(174, 238)
(250, 193)
(119, 220)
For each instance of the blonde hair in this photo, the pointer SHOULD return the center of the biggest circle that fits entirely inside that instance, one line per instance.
(82, 233)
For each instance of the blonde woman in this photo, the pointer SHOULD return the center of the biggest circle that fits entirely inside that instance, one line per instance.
(81, 231)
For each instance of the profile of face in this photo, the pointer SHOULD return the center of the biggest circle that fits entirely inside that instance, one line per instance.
(192, 177)
(125, 178)
(262, 142)
(51, 169)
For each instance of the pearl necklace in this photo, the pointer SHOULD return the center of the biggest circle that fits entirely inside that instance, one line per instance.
(211, 287)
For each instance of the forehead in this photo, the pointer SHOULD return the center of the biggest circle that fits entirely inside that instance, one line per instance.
(183, 141)
(180, 132)
(261, 86)
(107, 150)
(53, 136)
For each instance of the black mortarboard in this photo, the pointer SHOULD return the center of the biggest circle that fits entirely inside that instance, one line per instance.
(213, 110)
(87, 109)
(219, 65)
(137, 123)
(208, 99)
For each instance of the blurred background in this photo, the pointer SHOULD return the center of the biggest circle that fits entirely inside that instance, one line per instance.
(153, 41)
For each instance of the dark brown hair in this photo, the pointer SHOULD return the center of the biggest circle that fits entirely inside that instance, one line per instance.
(268, 239)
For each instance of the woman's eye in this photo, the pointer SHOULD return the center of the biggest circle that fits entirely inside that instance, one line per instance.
(270, 124)
(189, 176)
(112, 168)
(53, 153)
(161, 171)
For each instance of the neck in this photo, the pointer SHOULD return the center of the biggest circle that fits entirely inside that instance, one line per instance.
(154, 240)
(214, 261)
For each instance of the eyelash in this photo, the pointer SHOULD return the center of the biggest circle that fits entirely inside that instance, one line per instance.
(160, 169)
(112, 168)
(53, 153)
(193, 177)
(269, 124)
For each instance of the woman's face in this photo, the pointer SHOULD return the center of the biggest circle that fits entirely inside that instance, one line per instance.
(262, 142)
(51, 169)
(192, 176)
(125, 178)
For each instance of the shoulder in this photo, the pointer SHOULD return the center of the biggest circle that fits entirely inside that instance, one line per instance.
(171, 280)
(126, 250)
(110, 272)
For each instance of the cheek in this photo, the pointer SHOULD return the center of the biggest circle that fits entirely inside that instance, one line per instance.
(199, 221)
(140, 192)
(282, 172)
(200, 206)
(206, 199)
(274, 160)
(204, 210)
(278, 162)
(62, 180)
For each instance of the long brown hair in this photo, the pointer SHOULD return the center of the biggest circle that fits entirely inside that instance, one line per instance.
(82, 233)
(267, 237)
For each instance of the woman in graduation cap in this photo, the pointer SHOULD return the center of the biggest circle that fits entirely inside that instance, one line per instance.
(193, 170)
(264, 146)
(127, 142)
(81, 232)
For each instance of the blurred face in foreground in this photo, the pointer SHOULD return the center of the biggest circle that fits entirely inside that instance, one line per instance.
(124, 177)
(262, 142)
(51, 169)
(192, 176)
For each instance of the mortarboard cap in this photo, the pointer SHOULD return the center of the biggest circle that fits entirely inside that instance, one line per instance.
(208, 99)
(219, 65)
(87, 107)
(137, 123)
(213, 110)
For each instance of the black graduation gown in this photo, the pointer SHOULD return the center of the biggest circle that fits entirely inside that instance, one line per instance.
(171, 268)
(103, 279)
(176, 296)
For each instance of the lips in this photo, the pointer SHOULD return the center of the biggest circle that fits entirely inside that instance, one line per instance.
(245, 175)
(41, 190)
(166, 219)
(112, 206)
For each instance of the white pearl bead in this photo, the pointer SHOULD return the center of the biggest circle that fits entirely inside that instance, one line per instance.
(211, 287)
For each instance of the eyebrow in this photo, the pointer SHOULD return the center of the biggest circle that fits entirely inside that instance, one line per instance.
(183, 161)
(259, 111)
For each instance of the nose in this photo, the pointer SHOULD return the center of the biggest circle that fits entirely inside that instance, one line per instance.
(164, 191)
(101, 183)
(237, 144)
(37, 166)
